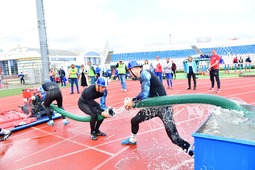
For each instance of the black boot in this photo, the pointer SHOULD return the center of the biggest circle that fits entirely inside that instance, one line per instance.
(99, 133)
(93, 136)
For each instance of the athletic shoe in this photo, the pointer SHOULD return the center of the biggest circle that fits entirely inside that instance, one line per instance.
(188, 88)
(5, 134)
(50, 123)
(194, 88)
(125, 90)
(99, 133)
(93, 136)
(122, 89)
(65, 121)
(127, 142)
(211, 89)
(218, 91)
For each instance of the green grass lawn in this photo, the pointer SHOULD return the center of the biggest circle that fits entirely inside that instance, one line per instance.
(18, 90)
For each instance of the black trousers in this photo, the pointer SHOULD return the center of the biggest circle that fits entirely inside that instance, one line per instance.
(50, 97)
(22, 81)
(94, 123)
(193, 75)
(165, 113)
(215, 74)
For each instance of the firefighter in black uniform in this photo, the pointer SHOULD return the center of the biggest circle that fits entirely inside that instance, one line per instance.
(89, 106)
(50, 92)
(151, 86)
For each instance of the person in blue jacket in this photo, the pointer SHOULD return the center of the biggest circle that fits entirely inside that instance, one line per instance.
(191, 68)
(21, 76)
(98, 71)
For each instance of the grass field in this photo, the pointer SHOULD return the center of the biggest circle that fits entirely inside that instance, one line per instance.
(18, 90)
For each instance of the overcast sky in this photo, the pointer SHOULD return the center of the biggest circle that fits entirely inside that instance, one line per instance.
(87, 25)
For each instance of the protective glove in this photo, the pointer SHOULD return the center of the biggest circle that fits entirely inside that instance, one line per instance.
(126, 101)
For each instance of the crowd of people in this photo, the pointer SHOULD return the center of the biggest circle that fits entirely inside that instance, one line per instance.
(235, 63)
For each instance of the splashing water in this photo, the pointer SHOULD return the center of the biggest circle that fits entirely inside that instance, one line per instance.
(223, 122)
(119, 110)
(229, 124)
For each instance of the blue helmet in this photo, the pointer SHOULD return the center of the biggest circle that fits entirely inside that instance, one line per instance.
(133, 64)
(102, 81)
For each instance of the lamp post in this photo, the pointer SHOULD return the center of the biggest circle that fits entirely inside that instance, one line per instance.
(170, 38)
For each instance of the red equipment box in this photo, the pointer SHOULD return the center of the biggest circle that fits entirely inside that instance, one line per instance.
(27, 93)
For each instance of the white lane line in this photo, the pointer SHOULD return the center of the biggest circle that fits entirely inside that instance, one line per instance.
(54, 159)
(94, 148)
(109, 159)
(68, 139)
(236, 94)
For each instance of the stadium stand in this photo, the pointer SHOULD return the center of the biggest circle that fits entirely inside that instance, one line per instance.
(226, 49)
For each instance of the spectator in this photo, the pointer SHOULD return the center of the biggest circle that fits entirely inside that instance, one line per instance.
(122, 71)
(240, 64)
(108, 73)
(98, 71)
(91, 73)
(158, 68)
(83, 77)
(248, 63)
(52, 75)
(21, 76)
(115, 74)
(73, 75)
(235, 61)
(226, 66)
(202, 56)
(174, 70)
(191, 72)
(146, 65)
(214, 71)
(168, 73)
(62, 75)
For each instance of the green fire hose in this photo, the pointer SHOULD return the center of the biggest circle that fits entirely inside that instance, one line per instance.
(194, 98)
(73, 116)
(171, 100)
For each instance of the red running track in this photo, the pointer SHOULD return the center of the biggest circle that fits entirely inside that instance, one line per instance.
(70, 147)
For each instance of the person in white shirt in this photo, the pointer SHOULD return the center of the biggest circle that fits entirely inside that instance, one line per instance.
(146, 65)
(168, 73)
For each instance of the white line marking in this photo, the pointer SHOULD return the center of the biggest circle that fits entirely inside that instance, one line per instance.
(107, 160)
